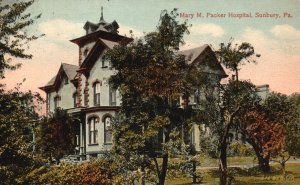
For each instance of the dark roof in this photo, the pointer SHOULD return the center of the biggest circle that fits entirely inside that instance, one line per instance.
(198, 55)
(192, 54)
(51, 82)
(101, 34)
(69, 69)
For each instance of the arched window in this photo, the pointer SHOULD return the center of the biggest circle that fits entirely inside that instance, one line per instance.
(107, 130)
(97, 86)
(57, 99)
(93, 130)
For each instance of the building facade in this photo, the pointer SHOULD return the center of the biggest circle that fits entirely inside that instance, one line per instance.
(84, 92)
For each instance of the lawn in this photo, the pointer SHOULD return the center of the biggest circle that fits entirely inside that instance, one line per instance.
(247, 176)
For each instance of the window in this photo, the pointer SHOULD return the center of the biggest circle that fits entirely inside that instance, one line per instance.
(104, 62)
(107, 130)
(57, 102)
(97, 94)
(66, 80)
(86, 51)
(112, 97)
(93, 131)
(75, 99)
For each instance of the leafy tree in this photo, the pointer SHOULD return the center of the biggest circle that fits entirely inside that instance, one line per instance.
(237, 97)
(234, 55)
(222, 114)
(14, 35)
(293, 127)
(150, 76)
(266, 137)
(17, 109)
(265, 128)
(17, 116)
(56, 135)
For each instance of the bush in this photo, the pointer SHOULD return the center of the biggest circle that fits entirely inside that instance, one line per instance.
(240, 149)
(89, 173)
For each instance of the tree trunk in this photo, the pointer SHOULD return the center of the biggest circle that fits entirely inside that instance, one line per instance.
(142, 178)
(263, 162)
(164, 168)
(237, 75)
(223, 164)
(283, 168)
(194, 175)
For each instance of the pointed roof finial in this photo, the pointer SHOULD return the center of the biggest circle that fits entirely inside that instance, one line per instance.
(101, 18)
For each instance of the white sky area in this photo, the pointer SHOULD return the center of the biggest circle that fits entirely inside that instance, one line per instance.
(277, 40)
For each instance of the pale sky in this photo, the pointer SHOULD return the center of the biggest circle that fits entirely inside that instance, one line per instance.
(276, 39)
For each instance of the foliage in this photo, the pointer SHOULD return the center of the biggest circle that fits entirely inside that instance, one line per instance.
(234, 55)
(14, 36)
(234, 100)
(267, 135)
(56, 135)
(150, 76)
(264, 127)
(17, 117)
(292, 137)
(240, 149)
(90, 173)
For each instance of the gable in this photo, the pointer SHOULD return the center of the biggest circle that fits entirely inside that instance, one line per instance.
(65, 71)
(95, 53)
(205, 58)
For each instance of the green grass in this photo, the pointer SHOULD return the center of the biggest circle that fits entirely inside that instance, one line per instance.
(247, 177)
(231, 161)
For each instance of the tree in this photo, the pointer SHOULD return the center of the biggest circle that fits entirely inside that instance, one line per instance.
(237, 97)
(293, 127)
(17, 116)
(150, 76)
(234, 56)
(266, 137)
(57, 135)
(17, 109)
(265, 128)
(14, 35)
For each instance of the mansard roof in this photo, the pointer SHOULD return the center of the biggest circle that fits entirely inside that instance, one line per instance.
(68, 70)
(198, 55)
(101, 34)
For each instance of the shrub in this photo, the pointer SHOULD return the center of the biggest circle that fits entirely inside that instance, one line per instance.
(89, 173)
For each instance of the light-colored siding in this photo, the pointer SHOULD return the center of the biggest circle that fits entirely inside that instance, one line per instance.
(65, 91)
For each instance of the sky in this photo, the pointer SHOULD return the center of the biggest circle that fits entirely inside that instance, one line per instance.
(273, 29)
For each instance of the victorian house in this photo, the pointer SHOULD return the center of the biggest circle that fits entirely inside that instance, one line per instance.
(83, 90)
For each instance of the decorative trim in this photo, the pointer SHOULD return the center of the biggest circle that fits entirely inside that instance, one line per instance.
(96, 81)
(79, 90)
(86, 93)
(105, 116)
(93, 116)
(102, 108)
